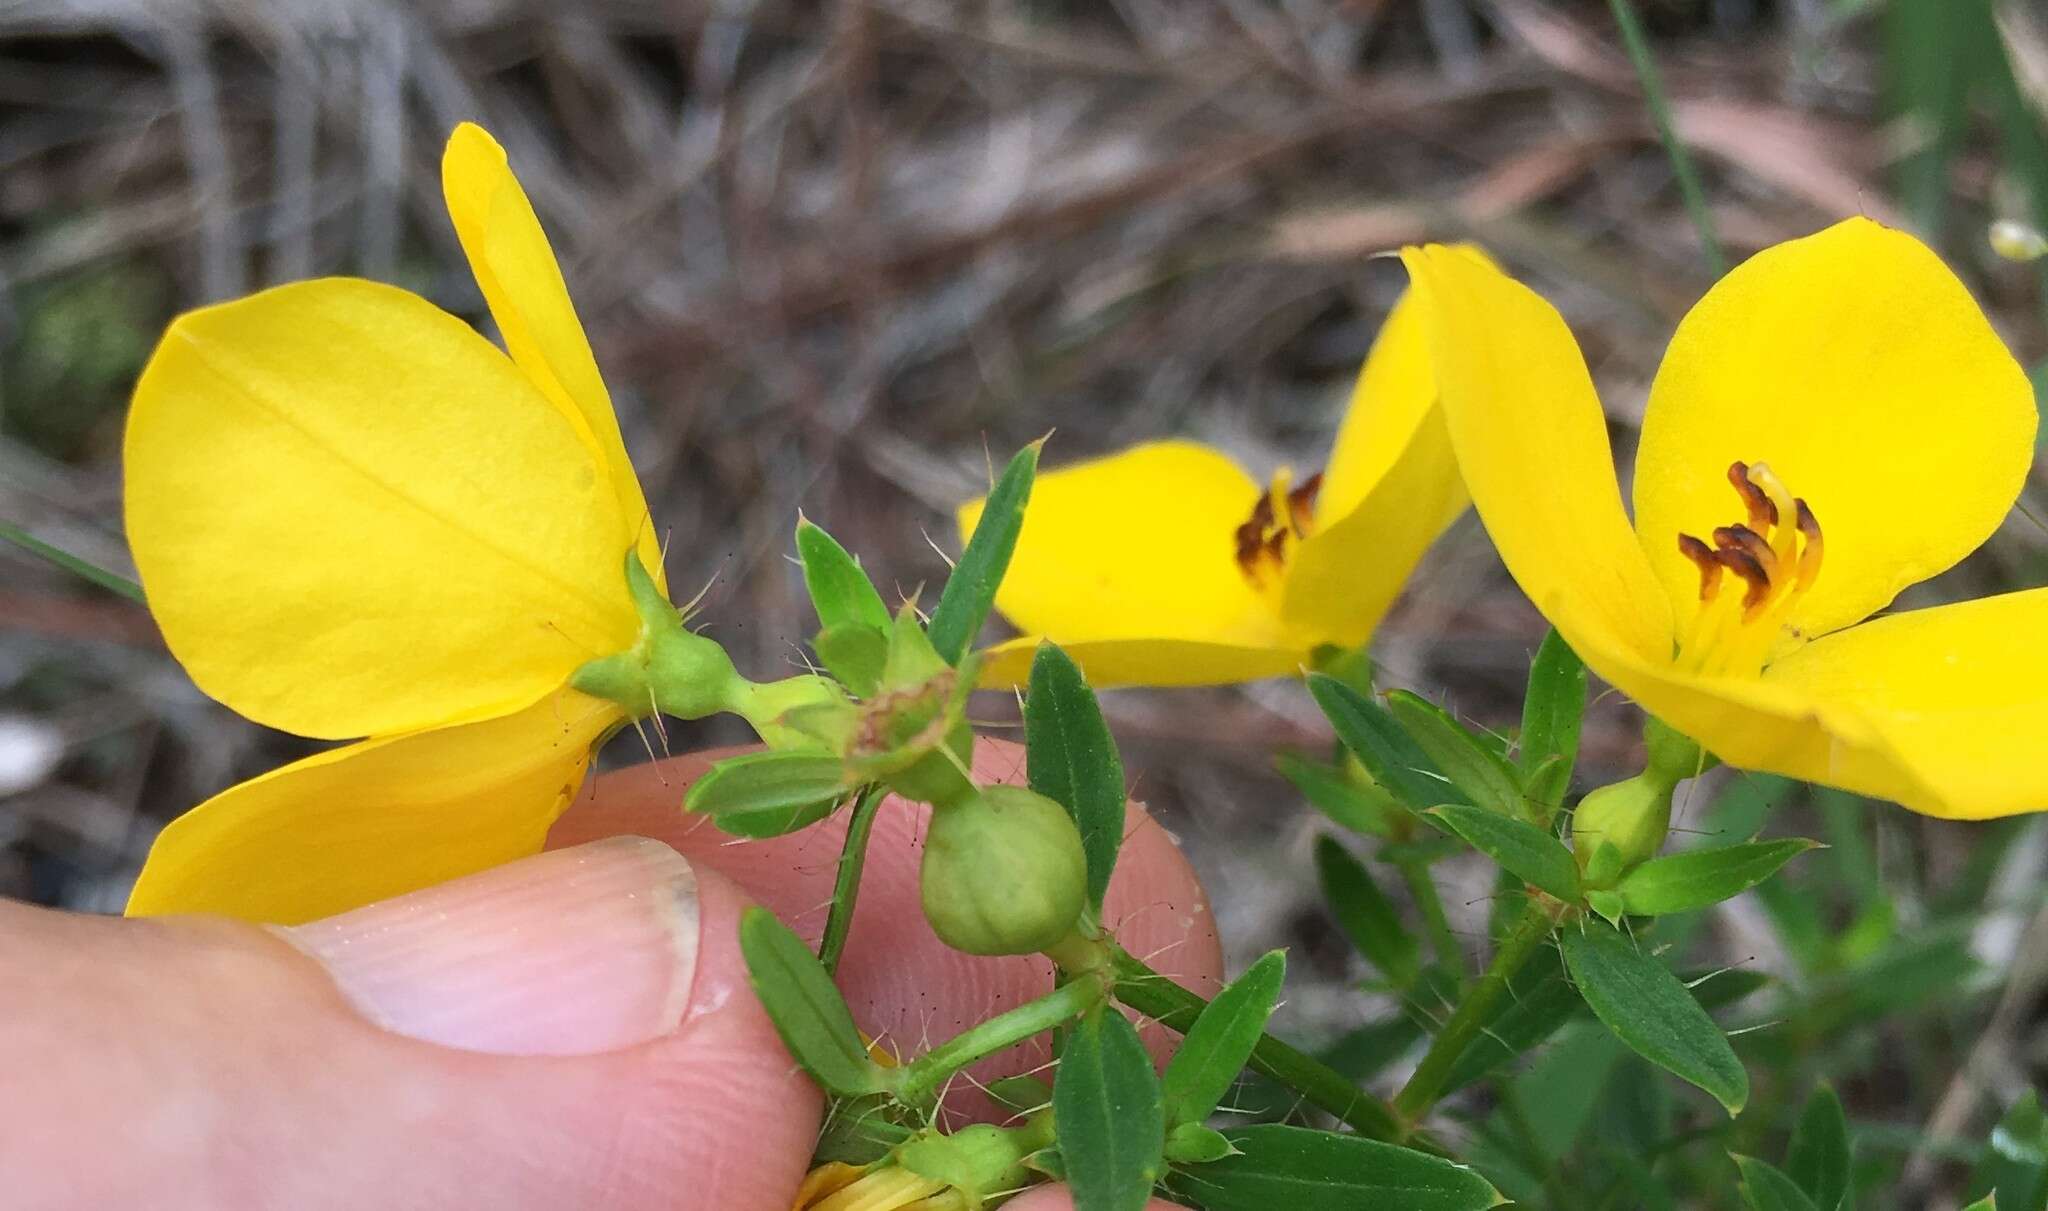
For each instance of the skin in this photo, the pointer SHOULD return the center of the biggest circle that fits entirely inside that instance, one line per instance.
(197, 1062)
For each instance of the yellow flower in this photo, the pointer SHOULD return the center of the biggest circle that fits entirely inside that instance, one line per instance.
(1168, 565)
(836, 1186)
(354, 516)
(1833, 422)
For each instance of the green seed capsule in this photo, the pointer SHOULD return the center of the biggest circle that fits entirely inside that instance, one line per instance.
(1003, 872)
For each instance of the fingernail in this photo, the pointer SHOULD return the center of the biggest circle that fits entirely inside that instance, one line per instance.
(568, 953)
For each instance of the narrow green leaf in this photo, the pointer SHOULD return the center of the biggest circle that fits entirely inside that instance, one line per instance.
(806, 1007)
(1219, 1044)
(1483, 774)
(768, 794)
(1386, 751)
(840, 591)
(1366, 915)
(1646, 1007)
(1552, 711)
(854, 653)
(1547, 781)
(1295, 1168)
(1543, 1001)
(1819, 1158)
(1351, 803)
(1988, 1203)
(1107, 1106)
(111, 581)
(1522, 849)
(1072, 760)
(971, 590)
(1699, 877)
(1766, 1188)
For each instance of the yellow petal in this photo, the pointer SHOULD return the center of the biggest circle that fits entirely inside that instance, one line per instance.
(1531, 442)
(1392, 486)
(522, 282)
(1959, 692)
(376, 819)
(353, 516)
(1138, 545)
(1767, 724)
(1113, 662)
(1857, 366)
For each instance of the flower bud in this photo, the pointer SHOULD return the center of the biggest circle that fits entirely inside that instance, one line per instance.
(1632, 815)
(1003, 872)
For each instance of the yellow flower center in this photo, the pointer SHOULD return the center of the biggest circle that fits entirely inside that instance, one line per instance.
(1279, 521)
(1775, 552)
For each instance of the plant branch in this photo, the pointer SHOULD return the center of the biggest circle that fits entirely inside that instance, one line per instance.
(923, 1075)
(1466, 1022)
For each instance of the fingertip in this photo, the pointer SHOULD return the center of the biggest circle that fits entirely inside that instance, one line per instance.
(1057, 1198)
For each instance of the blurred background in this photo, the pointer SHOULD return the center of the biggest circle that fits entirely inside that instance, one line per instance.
(839, 257)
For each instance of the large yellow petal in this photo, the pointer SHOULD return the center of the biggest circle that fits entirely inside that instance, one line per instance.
(353, 516)
(375, 819)
(1138, 545)
(1859, 368)
(1391, 487)
(1960, 692)
(1767, 725)
(522, 282)
(1113, 662)
(1531, 442)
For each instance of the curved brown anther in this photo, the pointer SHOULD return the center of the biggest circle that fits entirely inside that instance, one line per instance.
(1742, 538)
(1747, 566)
(1702, 557)
(1301, 503)
(1251, 536)
(1810, 545)
(1763, 514)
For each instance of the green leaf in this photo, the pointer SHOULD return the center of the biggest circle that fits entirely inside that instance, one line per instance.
(1766, 1188)
(1483, 774)
(1988, 1203)
(1072, 760)
(1818, 1159)
(806, 1007)
(1296, 1169)
(971, 590)
(1522, 849)
(768, 794)
(1386, 751)
(1699, 877)
(1366, 915)
(1543, 1001)
(2015, 1166)
(840, 591)
(1194, 1144)
(1353, 804)
(1552, 711)
(83, 569)
(854, 653)
(1107, 1107)
(1646, 1007)
(1219, 1044)
(1547, 781)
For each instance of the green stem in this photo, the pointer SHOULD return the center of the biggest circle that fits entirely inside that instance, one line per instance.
(1423, 888)
(1638, 45)
(71, 563)
(922, 1076)
(1469, 1019)
(853, 857)
(1174, 1007)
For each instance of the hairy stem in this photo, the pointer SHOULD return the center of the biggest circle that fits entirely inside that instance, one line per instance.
(1466, 1022)
(922, 1077)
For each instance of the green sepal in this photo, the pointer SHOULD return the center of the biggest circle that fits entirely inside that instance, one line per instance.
(854, 653)
(1195, 1144)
